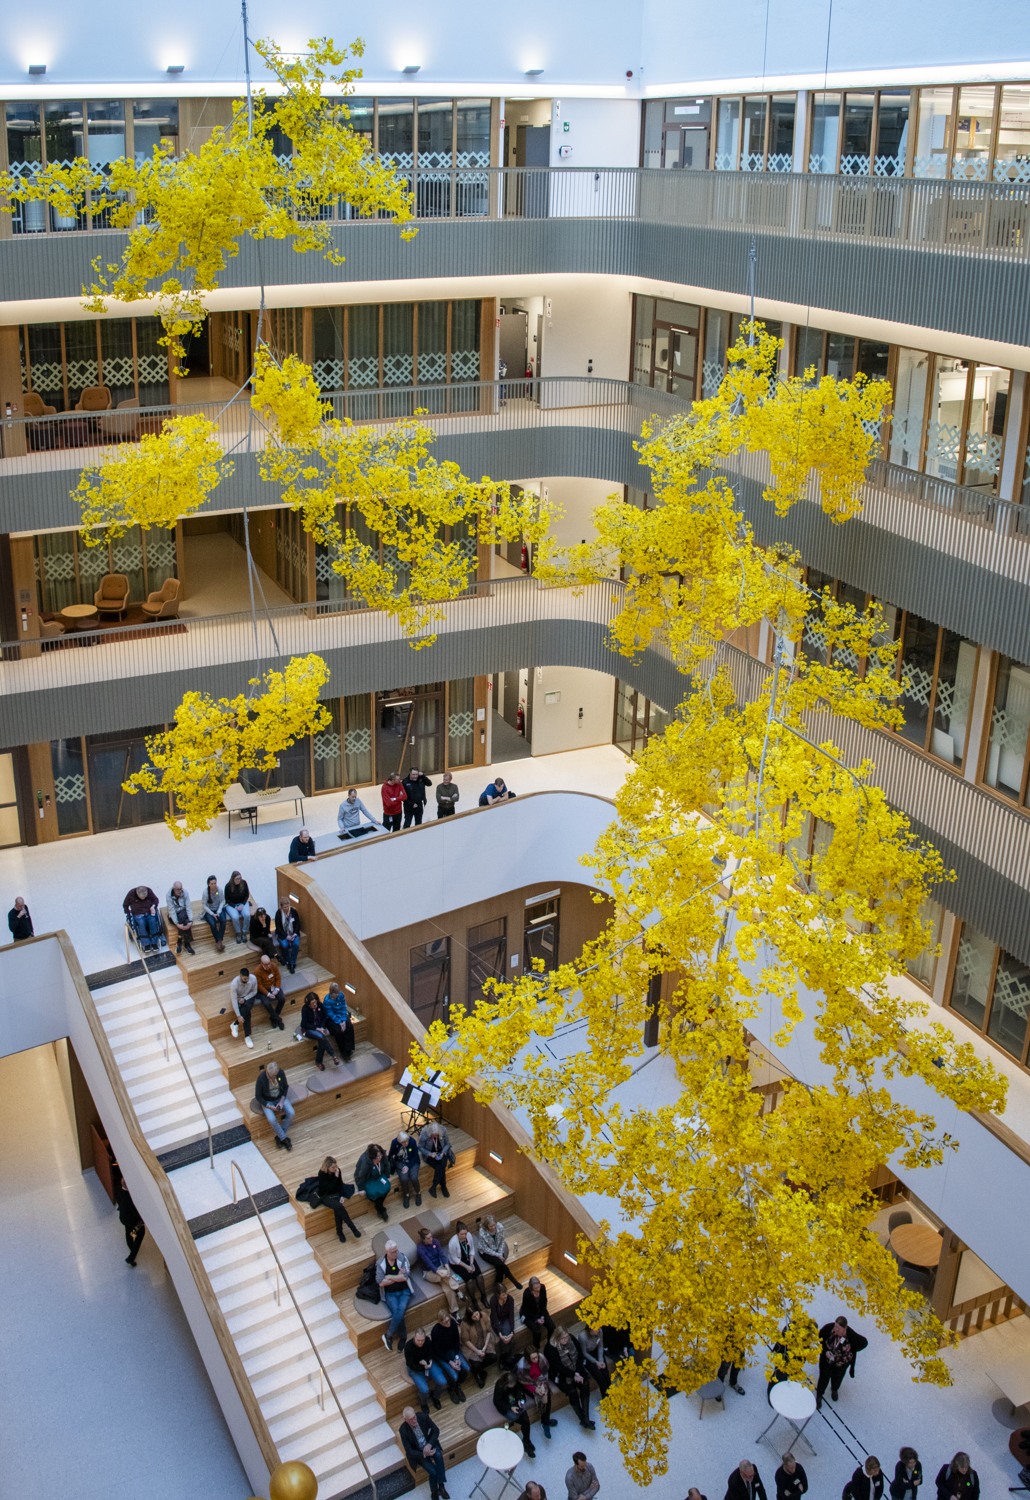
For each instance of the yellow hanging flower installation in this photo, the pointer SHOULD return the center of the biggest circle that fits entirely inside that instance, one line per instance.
(214, 739)
(154, 482)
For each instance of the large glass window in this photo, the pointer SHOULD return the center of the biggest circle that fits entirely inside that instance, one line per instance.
(1012, 148)
(1005, 768)
(68, 765)
(752, 143)
(727, 142)
(857, 134)
(783, 108)
(824, 138)
(991, 990)
(461, 721)
(910, 384)
(487, 956)
(933, 132)
(112, 759)
(937, 669)
(923, 968)
(892, 133)
(974, 129)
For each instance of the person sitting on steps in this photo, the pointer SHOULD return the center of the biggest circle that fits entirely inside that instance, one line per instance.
(261, 934)
(532, 1374)
(180, 914)
(270, 987)
(372, 1177)
(510, 1401)
(423, 1369)
(332, 1190)
(435, 1146)
(420, 1439)
(273, 1096)
(244, 995)
(287, 934)
(533, 1313)
(436, 1267)
(405, 1161)
(338, 1019)
(314, 1027)
(446, 1341)
(237, 902)
(461, 1252)
(493, 1248)
(478, 1343)
(215, 911)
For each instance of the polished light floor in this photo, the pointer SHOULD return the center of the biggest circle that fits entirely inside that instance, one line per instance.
(102, 1391)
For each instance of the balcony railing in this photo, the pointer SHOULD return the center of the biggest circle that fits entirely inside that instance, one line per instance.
(959, 521)
(976, 218)
(981, 824)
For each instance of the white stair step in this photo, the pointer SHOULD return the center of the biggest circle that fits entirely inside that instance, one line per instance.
(255, 1346)
(259, 1287)
(347, 1375)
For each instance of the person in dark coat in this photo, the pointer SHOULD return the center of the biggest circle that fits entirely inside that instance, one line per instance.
(908, 1476)
(132, 1222)
(19, 921)
(958, 1478)
(302, 848)
(314, 1026)
(260, 932)
(510, 1401)
(840, 1347)
(533, 1313)
(420, 1438)
(790, 1479)
(332, 1190)
(867, 1482)
(415, 784)
(745, 1483)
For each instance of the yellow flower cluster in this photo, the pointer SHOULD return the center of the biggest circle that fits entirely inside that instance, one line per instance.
(153, 482)
(754, 874)
(401, 528)
(214, 739)
(187, 216)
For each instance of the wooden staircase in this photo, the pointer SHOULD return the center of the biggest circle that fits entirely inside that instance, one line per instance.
(339, 1116)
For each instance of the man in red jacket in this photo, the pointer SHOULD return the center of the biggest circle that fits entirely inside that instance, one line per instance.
(394, 798)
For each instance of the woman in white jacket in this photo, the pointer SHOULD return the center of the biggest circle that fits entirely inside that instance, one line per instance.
(461, 1253)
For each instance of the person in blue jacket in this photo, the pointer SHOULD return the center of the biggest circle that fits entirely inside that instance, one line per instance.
(495, 792)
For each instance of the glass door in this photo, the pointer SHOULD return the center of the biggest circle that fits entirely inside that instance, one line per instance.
(540, 940)
(429, 980)
(410, 729)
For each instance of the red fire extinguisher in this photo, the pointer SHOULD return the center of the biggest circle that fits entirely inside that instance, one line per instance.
(524, 561)
(520, 719)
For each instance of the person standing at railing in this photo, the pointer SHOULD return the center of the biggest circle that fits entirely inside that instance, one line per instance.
(349, 815)
(19, 920)
(394, 797)
(414, 785)
(447, 795)
(302, 848)
(497, 791)
(142, 912)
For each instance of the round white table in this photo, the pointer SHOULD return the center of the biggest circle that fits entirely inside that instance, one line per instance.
(499, 1450)
(795, 1403)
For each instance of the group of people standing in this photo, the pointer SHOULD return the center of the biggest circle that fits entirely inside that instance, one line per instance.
(404, 804)
(956, 1480)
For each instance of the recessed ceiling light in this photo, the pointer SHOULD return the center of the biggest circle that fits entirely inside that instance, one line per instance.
(37, 69)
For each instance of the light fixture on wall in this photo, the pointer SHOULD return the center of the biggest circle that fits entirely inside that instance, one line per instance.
(36, 70)
(176, 68)
(533, 72)
(412, 68)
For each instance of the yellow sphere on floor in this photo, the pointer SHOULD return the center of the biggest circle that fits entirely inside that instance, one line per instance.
(292, 1481)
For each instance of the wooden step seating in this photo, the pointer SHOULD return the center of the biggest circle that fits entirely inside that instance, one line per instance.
(362, 1075)
(365, 1320)
(214, 1003)
(389, 1377)
(239, 1062)
(473, 1193)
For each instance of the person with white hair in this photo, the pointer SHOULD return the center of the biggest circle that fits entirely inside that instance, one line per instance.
(420, 1438)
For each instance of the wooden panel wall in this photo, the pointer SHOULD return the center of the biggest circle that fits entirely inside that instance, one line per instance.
(580, 919)
(393, 1027)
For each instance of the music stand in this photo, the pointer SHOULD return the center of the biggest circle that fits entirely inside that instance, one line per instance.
(420, 1099)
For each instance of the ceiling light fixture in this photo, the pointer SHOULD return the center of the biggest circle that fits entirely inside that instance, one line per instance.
(533, 72)
(176, 68)
(412, 68)
(37, 70)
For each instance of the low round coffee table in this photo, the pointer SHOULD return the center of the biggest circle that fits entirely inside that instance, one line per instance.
(918, 1244)
(501, 1450)
(79, 616)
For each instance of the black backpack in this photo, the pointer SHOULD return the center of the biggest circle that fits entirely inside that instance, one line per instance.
(368, 1287)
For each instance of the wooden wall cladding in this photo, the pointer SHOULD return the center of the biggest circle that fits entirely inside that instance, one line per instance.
(393, 1027)
(580, 920)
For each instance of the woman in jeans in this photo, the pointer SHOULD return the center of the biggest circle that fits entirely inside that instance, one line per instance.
(180, 914)
(423, 1368)
(237, 899)
(214, 912)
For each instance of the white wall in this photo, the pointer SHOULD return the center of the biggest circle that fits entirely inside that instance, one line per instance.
(598, 132)
(557, 725)
(576, 44)
(589, 321)
(577, 500)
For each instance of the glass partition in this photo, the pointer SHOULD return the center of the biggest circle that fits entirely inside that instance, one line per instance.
(892, 132)
(752, 146)
(1005, 768)
(974, 132)
(824, 139)
(782, 112)
(1012, 147)
(727, 141)
(857, 134)
(933, 133)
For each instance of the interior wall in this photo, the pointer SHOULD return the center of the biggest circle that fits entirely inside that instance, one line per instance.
(576, 500)
(595, 133)
(572, 708)
(580, 919)
(588, 324)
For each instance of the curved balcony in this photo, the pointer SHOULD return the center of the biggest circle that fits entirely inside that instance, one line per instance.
(104, 680)
(953, 554)
(922, 252)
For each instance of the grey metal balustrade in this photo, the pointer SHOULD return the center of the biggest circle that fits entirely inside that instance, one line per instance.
(969, 218)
